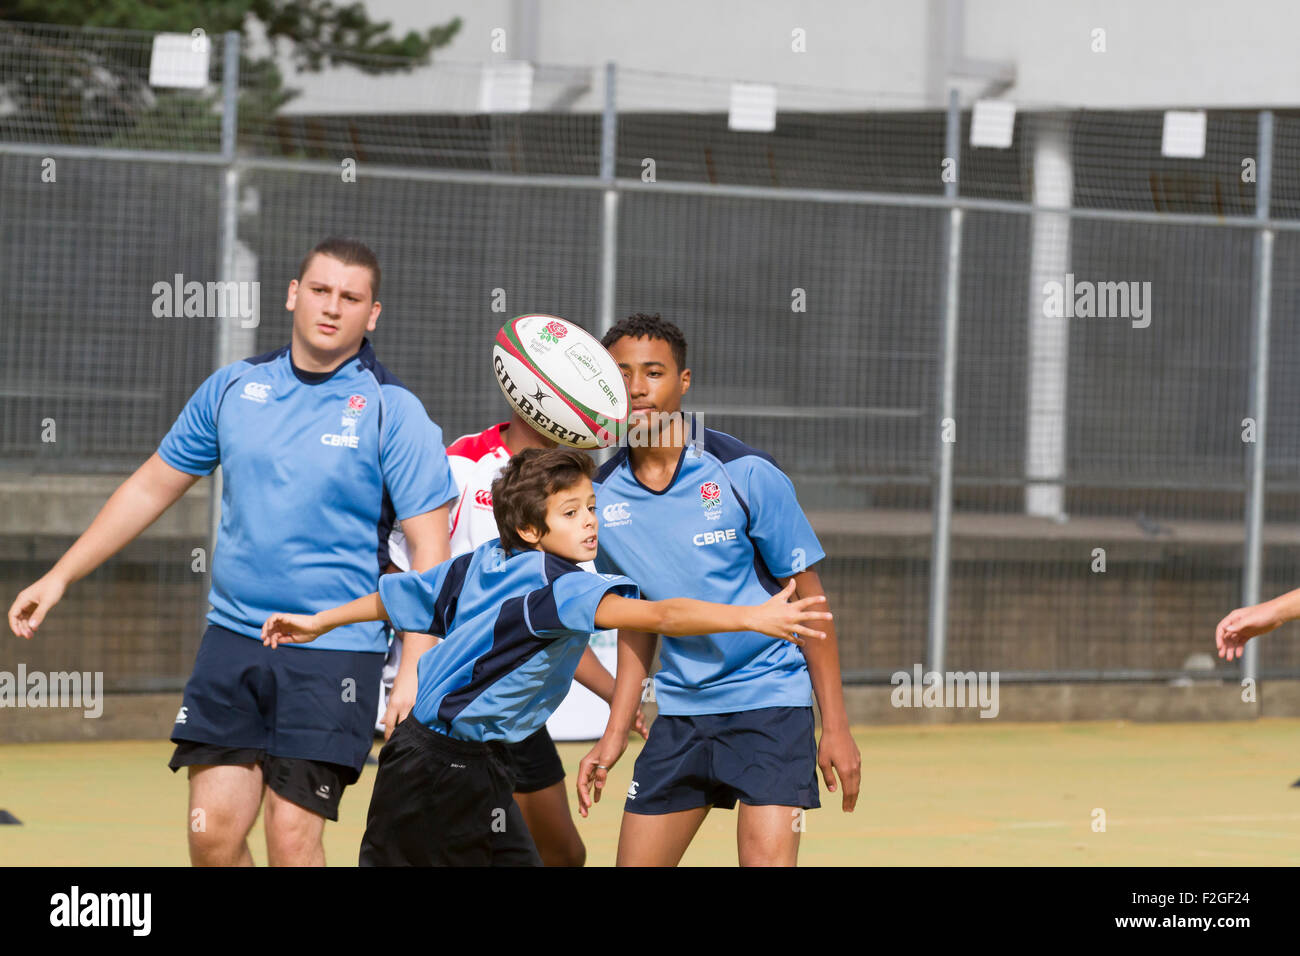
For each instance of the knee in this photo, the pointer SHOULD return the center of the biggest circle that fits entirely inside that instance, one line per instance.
(570, 853)
(216, 840)
(293, 835)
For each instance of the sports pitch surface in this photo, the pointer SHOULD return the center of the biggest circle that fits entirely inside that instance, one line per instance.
(1203, 794)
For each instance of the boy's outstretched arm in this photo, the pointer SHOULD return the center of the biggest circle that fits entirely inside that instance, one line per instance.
(837, 753)
(684, 617)
(1241, 625)
(301, 628)
(636, 650)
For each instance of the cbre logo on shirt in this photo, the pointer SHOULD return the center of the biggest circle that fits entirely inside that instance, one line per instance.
(714, 537)
(347, 436)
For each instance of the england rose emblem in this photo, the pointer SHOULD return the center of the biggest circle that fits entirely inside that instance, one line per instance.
(710, 495)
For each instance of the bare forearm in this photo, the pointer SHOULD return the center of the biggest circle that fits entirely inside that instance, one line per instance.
(1286, 607)
(636, 650)
(823, 659)
(592, 675)
(368, 608)
(132, 508)
(429, 546)
(413, 645)
(685, 617)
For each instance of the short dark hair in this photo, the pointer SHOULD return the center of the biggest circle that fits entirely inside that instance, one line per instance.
(642, 326)
(519, 493)
(350, 252)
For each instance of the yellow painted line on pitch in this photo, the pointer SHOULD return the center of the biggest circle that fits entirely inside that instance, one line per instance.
(1121, 821)
(1268, 834)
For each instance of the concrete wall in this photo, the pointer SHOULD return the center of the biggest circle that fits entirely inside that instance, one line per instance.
(150, 716)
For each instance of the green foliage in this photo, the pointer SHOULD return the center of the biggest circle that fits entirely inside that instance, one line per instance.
(92, 87)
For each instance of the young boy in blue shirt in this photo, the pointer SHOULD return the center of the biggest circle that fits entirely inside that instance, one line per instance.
(516, 614)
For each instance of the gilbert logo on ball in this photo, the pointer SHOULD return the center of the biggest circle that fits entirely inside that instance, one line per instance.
(573, 394)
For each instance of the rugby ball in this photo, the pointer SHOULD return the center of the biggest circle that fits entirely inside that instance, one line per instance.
(561, 381)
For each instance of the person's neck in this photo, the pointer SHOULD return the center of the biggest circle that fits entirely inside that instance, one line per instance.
(307, 359)
(664, 449)
(517, 435)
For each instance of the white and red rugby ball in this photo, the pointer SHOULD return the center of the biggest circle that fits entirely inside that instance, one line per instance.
(561, 381)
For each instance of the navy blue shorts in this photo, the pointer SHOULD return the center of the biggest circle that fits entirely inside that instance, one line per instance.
(765, 757)
(290, 702)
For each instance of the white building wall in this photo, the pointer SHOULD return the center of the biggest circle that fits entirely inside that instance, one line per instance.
(1158, 53)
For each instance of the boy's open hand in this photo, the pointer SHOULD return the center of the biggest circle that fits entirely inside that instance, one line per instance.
(290, 629)
(1241, 625)
(779, 618)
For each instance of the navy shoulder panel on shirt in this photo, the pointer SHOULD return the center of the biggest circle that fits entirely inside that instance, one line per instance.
(382, 375)
(265, 357)
(444, 606)
(553, 566)
(607, 469)
(728, 449)
(543, 612)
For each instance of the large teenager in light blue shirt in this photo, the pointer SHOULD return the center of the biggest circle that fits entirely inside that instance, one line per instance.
(321, 451)
(517, 613)
(696, 512)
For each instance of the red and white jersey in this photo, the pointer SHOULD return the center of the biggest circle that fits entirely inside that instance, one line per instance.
(475, 460)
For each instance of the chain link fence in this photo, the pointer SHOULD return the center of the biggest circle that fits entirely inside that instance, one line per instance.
(1081, 495)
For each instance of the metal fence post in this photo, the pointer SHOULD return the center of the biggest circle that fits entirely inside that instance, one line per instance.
(609, 221)
(228, 238)
(1252, 564)
(609, 213)
(936, 645)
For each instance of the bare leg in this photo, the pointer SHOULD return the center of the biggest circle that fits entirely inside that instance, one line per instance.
(768, 835)
(293, 834)
(546, 812)
(658, 839)
(224, 801)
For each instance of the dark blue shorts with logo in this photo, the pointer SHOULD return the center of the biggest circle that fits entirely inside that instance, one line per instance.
(305, 716)
(764, 757)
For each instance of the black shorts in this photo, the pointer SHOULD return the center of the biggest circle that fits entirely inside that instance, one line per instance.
(765, 757)
(535, 762)
(304, 715)
(439, 801)
(311, 784)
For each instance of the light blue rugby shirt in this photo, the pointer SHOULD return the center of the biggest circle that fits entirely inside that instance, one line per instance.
(724, 530)
(515, 627)
(316, 467)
